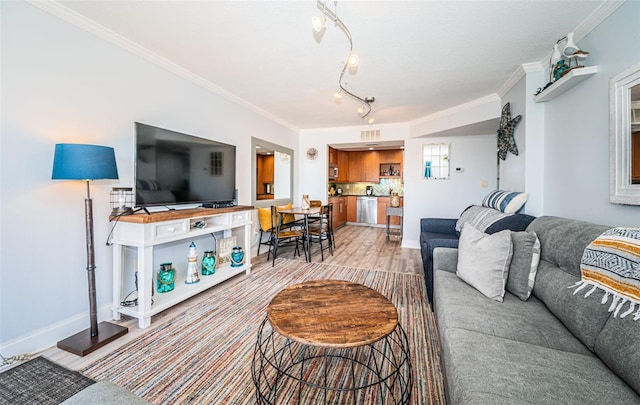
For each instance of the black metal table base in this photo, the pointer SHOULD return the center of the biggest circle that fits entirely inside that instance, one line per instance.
(285, 371)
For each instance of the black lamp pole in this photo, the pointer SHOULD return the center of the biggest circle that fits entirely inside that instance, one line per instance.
(91, 265)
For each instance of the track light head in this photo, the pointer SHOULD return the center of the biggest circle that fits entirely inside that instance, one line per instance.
(353, 60)
(318, 23)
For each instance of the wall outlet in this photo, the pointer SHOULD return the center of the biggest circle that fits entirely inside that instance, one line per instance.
(484, 184)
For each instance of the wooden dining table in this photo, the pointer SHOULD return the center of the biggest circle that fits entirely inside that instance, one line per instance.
(306, 213)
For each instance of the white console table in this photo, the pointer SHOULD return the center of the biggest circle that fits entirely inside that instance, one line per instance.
(146, 231)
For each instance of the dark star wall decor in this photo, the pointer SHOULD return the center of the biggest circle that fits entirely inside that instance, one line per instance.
(506, 141)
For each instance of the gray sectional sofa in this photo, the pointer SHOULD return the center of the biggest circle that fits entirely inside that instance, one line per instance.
(554, 348)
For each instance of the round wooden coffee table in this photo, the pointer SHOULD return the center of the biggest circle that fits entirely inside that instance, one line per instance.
(331, 341)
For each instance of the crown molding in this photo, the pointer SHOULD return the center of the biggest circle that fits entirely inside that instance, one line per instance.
(595, 18)
(518, 75)
(457, 109)
(72, 17)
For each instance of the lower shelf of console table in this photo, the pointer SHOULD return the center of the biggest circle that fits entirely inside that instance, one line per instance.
(148, 232)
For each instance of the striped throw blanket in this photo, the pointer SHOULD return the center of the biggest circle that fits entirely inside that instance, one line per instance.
(612, 263)
(479, 217)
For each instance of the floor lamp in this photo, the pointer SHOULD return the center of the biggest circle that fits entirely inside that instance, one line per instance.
(87, 162)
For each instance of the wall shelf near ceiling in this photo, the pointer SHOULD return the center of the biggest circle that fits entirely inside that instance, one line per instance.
(566, 82)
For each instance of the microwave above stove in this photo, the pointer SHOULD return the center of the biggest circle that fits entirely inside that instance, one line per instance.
(333, 172)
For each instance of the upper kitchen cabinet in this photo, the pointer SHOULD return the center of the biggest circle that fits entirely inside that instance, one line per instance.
(265, 168)
(363, 166)
(333, 156)
(391, 164)
(342, 160)
(366, 166)
(354, 174)
(370, 163)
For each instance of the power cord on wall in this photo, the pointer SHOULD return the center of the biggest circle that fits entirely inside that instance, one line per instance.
(15, 358)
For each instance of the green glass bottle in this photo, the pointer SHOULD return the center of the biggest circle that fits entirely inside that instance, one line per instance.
(209, 263)
(166, 278)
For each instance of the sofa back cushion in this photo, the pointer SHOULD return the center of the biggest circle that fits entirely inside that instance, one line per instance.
(490, 220)
(562, 242)
(618, 346)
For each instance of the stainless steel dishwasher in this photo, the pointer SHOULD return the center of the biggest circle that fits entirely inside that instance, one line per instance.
(367, 210)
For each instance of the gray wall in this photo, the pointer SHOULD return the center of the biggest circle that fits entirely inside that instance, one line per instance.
(576, 146)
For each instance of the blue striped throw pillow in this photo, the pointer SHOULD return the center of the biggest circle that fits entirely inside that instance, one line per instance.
(508, 202)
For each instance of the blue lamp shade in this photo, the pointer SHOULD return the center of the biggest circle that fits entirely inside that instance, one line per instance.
(84, 162)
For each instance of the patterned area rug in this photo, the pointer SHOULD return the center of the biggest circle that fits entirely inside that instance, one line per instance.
(204, 355)
(40, 382)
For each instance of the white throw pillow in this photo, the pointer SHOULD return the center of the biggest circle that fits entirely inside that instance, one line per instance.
(483, 260)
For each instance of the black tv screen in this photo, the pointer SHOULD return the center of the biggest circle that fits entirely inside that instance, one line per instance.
(174, 168)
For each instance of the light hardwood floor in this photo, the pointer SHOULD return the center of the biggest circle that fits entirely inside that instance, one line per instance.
(356, 246)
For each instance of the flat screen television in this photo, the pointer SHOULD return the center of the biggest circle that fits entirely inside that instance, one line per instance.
(172, 168)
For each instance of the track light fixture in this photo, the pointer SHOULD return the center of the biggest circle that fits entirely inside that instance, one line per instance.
(352, 59)
(319, 23)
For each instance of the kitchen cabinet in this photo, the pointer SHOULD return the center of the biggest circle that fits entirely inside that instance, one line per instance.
(333, 156)
(352, 205)
(339, 211)
(354, 173)
(391, 164)
(342, 159)
(265, 168)
(383, 203)
(371, 163)
(363, 166)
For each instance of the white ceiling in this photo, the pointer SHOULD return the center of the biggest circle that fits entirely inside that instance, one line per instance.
(416, 57)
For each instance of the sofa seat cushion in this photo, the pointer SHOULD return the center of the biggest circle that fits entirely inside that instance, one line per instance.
(105, 392)
(458, 305)
(485, 369)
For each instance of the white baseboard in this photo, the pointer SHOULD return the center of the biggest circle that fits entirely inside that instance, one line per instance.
(49, 336)
(410, 243)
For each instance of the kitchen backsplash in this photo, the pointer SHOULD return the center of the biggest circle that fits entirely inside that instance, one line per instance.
(383, 188)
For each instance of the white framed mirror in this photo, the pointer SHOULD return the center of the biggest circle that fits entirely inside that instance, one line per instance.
(435, 161)
(624, 138)
(272, 169)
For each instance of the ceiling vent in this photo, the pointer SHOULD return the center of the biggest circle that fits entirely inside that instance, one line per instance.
(371, 135)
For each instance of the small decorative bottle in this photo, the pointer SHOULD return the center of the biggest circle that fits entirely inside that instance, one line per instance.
(192, 265)
(305, 202)
(237, 256)
(166, 278)
(209, 263)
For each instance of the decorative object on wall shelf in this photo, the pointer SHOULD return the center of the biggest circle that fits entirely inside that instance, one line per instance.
(88, 162)
(506, 140)
(562, 63)
(567, 82)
